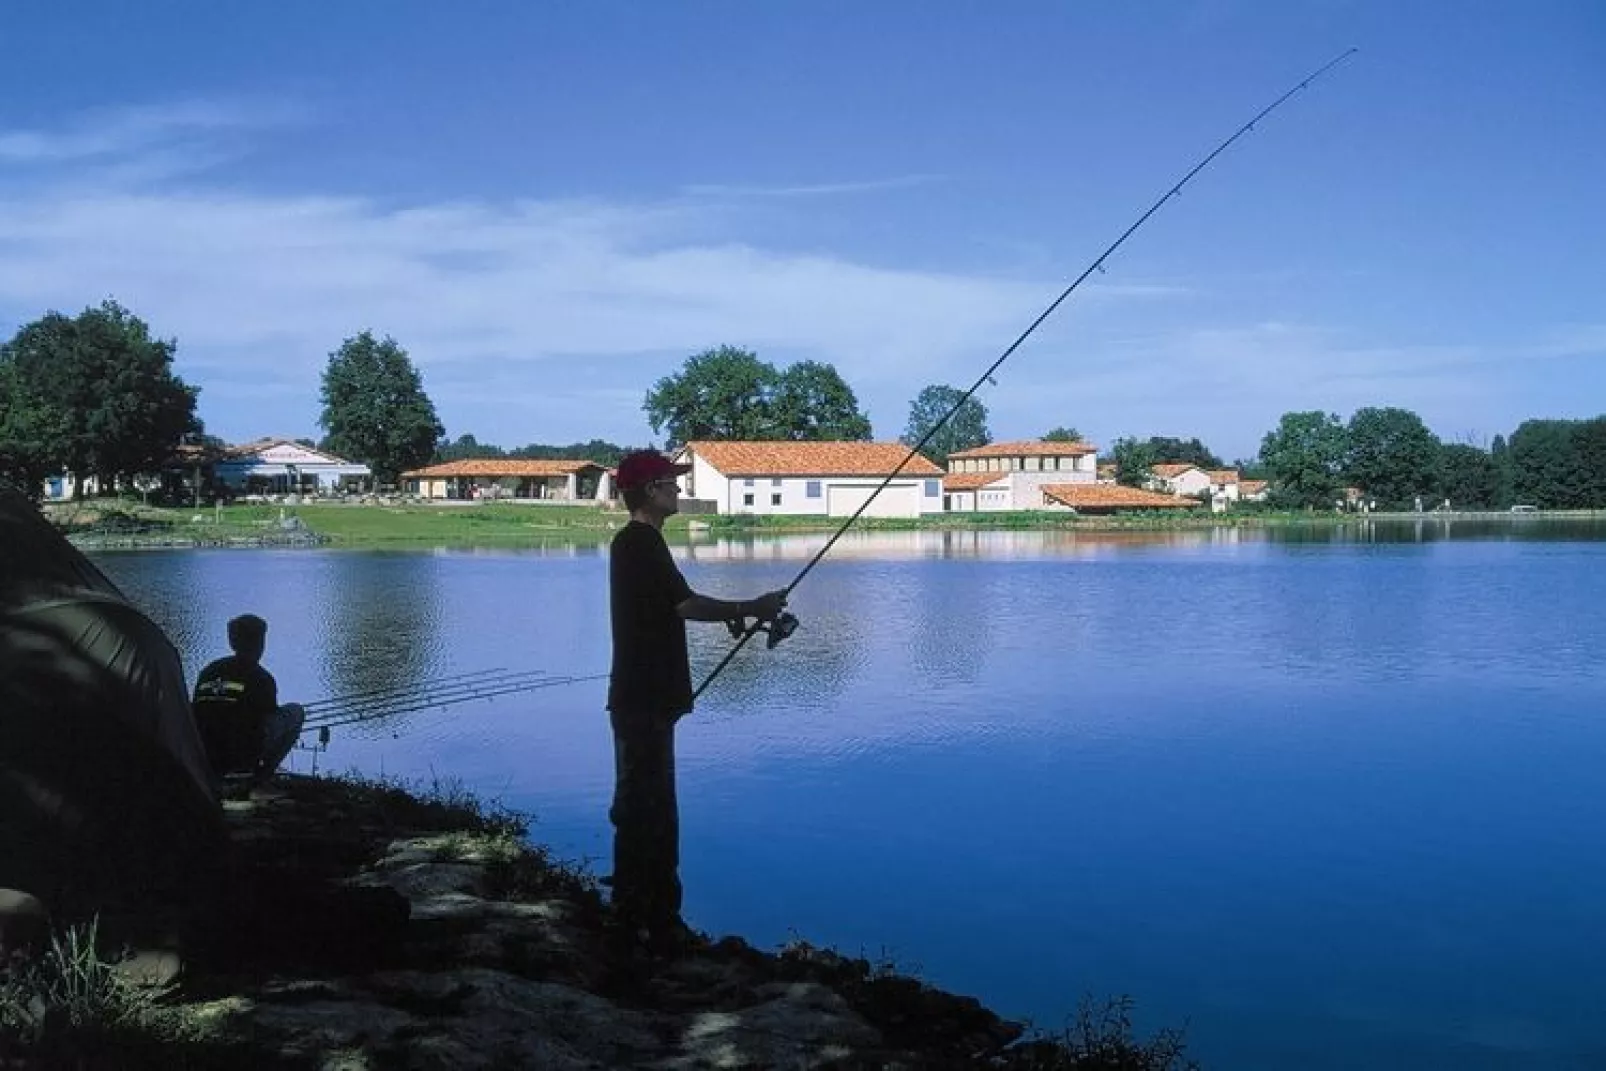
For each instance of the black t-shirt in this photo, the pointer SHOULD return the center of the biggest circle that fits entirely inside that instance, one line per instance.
(651, 670)
(232, 703)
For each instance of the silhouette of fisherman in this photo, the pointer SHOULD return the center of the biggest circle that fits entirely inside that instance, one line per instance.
(243, 727)
(649, 691)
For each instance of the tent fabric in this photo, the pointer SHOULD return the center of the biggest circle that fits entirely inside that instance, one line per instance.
(102, 772)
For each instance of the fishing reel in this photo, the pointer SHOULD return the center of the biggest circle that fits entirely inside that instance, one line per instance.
(778, 627)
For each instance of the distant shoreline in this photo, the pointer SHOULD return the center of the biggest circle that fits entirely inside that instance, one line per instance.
(127, 526)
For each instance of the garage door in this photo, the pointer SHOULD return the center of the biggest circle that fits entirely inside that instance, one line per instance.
(898, 500)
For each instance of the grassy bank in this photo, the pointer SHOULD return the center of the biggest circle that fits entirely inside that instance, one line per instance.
(343, 525)
(114, 523)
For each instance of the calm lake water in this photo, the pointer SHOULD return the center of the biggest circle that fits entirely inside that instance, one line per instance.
(1328, 798)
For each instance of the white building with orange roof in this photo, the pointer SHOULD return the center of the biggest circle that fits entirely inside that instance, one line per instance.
(511, 478)
(1179, 479)
(828, 479)
(1224, 484)
(1011, 475)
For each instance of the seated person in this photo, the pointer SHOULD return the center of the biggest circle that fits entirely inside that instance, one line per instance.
(236, 704)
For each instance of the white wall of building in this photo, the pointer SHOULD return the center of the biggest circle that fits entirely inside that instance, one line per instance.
(822, 496)
(1061, 466)
(1190, 482)
(283, 460)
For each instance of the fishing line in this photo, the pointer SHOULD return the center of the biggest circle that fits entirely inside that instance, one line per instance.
(748, 633)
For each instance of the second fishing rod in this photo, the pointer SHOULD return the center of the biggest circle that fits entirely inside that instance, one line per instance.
(786, 624)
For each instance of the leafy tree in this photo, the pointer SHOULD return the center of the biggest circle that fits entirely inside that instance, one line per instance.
(722, 393)
(375, 409)
(966, 429)
(1589, 453)
(1557, 464)
(1251, 468)
(27, 428)
(465, 447)
(94, 394)
(1304, 456)
(1134, 462)
(1183, 452)
(598, 450)
(1392, 456)
(1468, 477)
(1500, 455)
(1063, 435)
(813, 402)
(728, 393)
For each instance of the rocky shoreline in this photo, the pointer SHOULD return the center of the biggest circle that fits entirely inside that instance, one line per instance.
(368, 926)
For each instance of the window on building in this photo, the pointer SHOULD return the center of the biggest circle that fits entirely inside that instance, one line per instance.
(748, 482)
(775, 482)
(747, 500)
(933, 488)
(812, 489)
(775, 499)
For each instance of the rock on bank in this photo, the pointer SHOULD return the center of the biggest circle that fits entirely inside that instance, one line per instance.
(372, 929)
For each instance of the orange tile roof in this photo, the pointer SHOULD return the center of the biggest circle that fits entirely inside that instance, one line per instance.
(1171, 470)
(810, 458)
(1223, 475)
(1251, 487)
(970, 481)
(499, 466)
(1112, 496)
(1030, 448)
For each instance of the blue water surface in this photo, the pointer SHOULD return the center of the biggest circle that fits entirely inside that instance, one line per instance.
(1324, 798)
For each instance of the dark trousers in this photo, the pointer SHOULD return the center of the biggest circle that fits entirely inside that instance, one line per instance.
(646, 819)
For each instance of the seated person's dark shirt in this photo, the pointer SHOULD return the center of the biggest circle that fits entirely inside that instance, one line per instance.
(233, 701)
(651, 670)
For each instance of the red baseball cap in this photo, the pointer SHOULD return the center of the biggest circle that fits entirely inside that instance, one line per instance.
(644, 466)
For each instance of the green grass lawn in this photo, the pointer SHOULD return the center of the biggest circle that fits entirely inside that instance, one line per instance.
(467, 525)
(531, 525)
(347, 525)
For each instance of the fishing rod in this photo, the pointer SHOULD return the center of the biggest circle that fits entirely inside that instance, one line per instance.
(388, 699)
(465, 688)
(349, 697)
(785, 624)
(428, 702)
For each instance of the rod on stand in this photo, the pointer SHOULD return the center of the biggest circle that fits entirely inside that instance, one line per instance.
(428, 699)
(467, 689)
(386, 689)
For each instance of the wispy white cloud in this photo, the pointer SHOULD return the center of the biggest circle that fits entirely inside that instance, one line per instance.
(123, 132)
(1229, 385)
(548, 320)
(822, 189)
(498, 302)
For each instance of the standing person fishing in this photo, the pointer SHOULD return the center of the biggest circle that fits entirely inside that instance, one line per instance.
(649, 691)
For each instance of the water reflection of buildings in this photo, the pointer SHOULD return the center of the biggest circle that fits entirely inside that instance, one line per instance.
(964, 543)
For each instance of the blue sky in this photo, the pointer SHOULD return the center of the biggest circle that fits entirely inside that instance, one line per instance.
(551, 206)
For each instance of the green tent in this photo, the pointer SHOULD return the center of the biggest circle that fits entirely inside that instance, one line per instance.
(105, 790)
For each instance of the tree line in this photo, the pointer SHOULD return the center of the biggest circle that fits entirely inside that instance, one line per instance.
(96, 394)
(1391, 457)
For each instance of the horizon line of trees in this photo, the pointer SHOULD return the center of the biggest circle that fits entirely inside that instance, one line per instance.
(1391, 456)
(96, 394)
